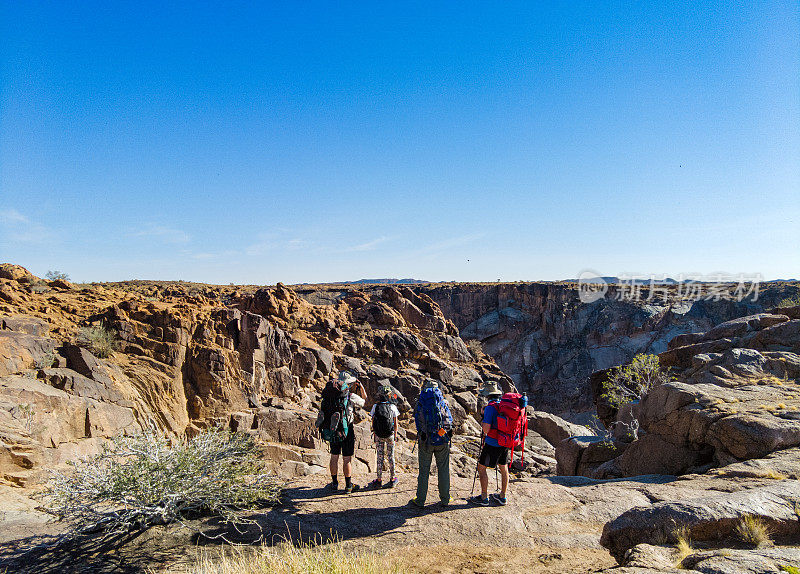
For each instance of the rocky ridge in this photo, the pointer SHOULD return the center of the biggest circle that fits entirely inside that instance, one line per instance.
(254, 360)
(549, 342)
(187, 358)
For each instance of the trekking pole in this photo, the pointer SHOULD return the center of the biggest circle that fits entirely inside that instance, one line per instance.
(472, 492)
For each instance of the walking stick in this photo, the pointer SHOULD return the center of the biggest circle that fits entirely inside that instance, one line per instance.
(472, 492)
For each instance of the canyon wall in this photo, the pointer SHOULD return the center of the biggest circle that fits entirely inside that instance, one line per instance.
(549, 342)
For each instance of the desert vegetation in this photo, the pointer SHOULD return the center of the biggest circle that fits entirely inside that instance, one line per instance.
(147, 479)
(99, 340)
(630, 382)
(56, 275)
(753, 531)
(288, 558)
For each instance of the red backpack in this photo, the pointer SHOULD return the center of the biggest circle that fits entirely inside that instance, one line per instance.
(510, 424)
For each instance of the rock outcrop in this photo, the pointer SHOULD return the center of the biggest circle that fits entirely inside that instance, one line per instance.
(549, 342)
(735, 398)
(187, 357)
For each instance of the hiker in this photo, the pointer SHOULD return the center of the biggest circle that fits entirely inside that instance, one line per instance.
(504, 427)
(490, 392)
(335, 421)
(434, 430)
(384, 415)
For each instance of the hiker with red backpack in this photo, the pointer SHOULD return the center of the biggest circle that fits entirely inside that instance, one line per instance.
(335, 421)
(505, 424)
(434, 423)
(384, 415)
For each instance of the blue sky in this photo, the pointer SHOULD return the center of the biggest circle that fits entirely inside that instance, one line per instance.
(306, 142)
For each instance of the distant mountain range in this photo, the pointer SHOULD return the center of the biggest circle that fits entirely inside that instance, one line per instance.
(666, 281)
(374, 282)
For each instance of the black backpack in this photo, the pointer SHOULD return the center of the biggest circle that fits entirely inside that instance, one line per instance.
(335, 425)
(383, 421)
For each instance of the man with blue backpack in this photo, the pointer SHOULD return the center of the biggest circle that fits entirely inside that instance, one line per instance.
(434, 430)
(335, 422)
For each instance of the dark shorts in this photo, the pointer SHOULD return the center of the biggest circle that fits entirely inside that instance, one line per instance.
(491, 456)
(348, 446)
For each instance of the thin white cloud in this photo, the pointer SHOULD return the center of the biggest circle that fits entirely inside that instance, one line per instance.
(163, 234)
(371, 245)
(214, 255)
(451, 243)
(12, 217)
(18, 228)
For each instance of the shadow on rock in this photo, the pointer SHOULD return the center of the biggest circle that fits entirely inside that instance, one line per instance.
(303, 526)
(103, 554)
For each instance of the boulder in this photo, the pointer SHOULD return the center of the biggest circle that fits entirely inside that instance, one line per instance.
(651, 454)
(15, 273)
(582, 455)
(554, 429)
(736, 560)
(469, 401)
(291, 427)
(650, 556)
(707, 518)
(25, 324)
(21, 351)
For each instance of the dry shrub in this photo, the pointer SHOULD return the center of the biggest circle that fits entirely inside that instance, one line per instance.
(148, 479)
(683, 543)
(753, 531)
(99, 340)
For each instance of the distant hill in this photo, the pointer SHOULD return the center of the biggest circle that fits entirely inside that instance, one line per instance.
(374, 282)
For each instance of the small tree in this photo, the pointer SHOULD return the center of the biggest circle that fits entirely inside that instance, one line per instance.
(140, 481)
(56, 276)
(630, 382)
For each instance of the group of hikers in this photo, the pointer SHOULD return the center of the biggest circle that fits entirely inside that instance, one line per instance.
(504, 426)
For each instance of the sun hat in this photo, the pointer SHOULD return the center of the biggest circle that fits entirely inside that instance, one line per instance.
(430, 384)
(490, 389)
(345, 377)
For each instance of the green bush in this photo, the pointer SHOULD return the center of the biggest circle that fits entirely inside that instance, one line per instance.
(99, 340)
(56, 276)
(793, 301)
(631, 382)
(140, 481)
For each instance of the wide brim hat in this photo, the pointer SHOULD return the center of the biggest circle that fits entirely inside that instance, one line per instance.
(430, 384)
(490, 389)
(346, 377)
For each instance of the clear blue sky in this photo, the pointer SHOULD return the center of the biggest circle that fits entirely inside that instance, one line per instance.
(264, 142)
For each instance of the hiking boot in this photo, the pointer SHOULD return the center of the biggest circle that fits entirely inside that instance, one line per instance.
(447, 502)
(415, 502)
(478, 500)
(374, 485)
(497, 499)
(391, 483)
(334, 486)
(351, 488)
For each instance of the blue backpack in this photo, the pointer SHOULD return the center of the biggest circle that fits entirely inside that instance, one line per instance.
(432, 417)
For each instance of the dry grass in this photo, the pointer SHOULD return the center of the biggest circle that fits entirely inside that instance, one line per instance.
(753, 531)
(683, 543)
(290, 559)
